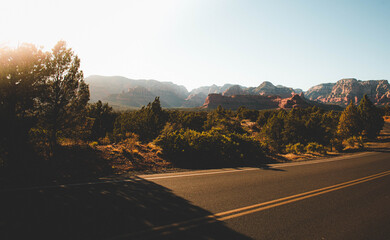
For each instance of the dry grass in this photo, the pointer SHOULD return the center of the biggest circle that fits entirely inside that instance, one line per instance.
(132, 156)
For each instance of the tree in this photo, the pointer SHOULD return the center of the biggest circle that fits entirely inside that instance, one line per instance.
(350, 123)
(22, 73)
(263, 117)
(63, 105)
(372, 120)
(330, 122)
(103, 119)
(244, 113)
(146, 122)
(273, 131)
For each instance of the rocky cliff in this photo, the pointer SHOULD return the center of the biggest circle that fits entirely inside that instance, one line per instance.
(233, 90)
(350, 89)
(206, 90)
(319, 91)
(268, 89)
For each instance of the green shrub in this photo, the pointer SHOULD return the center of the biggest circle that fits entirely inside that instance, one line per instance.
(355, 141)
(147, 122)
(297, 148)
(314, 147)
(244, 113)
(337, 144)
(208, 148)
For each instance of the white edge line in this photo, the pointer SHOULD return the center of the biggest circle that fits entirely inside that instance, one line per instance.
(198, 174)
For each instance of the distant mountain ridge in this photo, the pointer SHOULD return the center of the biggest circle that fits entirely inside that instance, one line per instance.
(137, 93)
(350, 89)
(129, 92)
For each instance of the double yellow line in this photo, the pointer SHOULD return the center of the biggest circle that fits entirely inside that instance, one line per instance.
(294, 198)
(222, 216)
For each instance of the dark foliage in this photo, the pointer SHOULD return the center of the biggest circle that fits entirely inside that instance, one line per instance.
(299, 126)
(42, 96)
(62, 106)
(188, 120)
(263, 116)
(371, 117)
(146, 122)
(209, 148)
(350, 124)
(103, 118)
(244, 113)
(223, 120)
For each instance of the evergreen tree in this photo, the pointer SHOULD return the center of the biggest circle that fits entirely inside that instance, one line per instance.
(22, 71)
(263, 117)
(146, 122)
(350, 123)
(63, 105)
(330, 122)
(371, 118)
(273, 131)
(103, 119)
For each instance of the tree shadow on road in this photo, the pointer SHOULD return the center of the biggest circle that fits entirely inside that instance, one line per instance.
(102, 211)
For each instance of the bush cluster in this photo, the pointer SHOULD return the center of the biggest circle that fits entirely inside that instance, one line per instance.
(297, 148)
(303, 126)
(311, 147)
(314, 147)
(209, 148)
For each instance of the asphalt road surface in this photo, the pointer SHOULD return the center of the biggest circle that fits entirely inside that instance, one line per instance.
(340, 198)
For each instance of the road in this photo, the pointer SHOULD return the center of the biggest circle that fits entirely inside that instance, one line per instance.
(341, 198)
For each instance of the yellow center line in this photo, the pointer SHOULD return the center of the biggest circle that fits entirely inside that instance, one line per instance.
(299, 198)
(298, 195)
(222, 216)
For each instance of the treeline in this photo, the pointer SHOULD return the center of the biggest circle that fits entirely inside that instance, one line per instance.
(316, 130)
(219, 136)
(44, 101)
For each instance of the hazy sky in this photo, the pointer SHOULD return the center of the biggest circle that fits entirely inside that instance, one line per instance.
(201, 42)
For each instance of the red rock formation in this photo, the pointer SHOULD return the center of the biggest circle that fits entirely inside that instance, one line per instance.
(257, 102)
(295, 101)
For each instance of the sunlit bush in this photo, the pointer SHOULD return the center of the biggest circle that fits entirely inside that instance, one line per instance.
(314, 147)
(297, 148)
(355, 141)
(208, 148)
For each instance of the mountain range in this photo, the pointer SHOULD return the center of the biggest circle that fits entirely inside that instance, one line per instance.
(136, 93)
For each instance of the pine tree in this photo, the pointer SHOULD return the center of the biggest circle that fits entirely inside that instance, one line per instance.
(350, 122)
(103, 118)
(22, 72)
(273, 132)
(65, 96)
(372, 120)
(146, 122)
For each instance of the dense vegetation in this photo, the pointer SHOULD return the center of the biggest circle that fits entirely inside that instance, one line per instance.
(44, 101)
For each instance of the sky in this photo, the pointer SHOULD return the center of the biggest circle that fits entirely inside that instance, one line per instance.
(295, 43)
